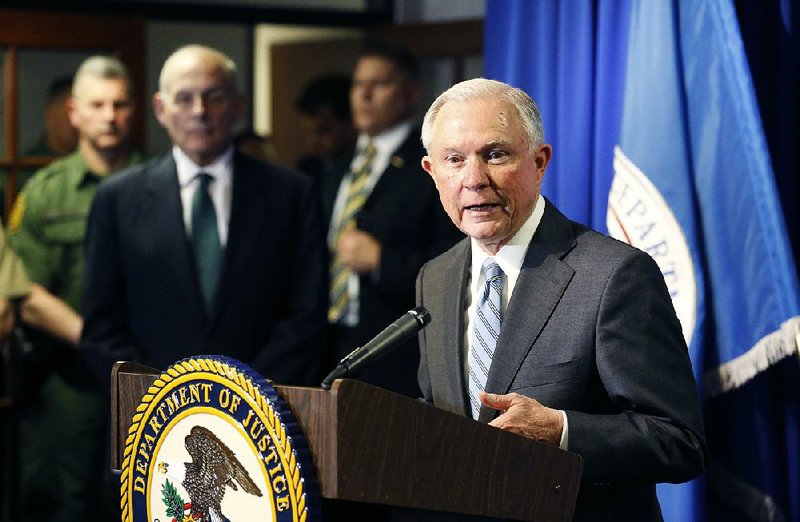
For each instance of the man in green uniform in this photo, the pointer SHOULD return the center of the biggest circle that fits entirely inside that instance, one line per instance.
(63, 417)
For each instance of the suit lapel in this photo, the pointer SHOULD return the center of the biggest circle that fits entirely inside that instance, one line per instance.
(329, 189)
(454, 308)
(244, 228)
(163, 212)
(541, 283)
(398, 163)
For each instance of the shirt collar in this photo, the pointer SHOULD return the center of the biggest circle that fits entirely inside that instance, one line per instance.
(81, 175)
(512, 254)
(220, 169)
(80, 171)
(387, 140)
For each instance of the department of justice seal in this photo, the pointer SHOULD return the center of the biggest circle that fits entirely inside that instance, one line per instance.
(212, 441)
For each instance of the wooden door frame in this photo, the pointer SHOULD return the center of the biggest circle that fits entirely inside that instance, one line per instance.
(62, 30)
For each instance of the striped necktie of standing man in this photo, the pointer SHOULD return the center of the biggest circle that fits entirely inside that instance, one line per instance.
(356, 196)
(485, 331)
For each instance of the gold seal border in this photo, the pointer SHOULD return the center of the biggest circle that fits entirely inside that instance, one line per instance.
(282, 441)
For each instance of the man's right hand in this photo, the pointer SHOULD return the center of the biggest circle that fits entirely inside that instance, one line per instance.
(48, 313)
(525, 416)
(359, 250)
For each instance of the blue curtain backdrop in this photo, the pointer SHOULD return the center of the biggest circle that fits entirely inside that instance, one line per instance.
(771, 35)
(570, 57)
(668, 81)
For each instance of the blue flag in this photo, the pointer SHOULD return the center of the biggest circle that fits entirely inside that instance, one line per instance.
(657, 94)
(569, 56)
(694, 187)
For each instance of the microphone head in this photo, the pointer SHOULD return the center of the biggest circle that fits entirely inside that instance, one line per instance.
(422, 315)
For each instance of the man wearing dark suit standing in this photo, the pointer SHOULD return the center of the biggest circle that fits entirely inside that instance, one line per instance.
(203, 250)
(543, 327)
(384, 220)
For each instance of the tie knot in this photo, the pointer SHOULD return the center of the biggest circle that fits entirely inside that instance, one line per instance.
(493, 278)
(204, 178)
(491, 270)
(365, 168)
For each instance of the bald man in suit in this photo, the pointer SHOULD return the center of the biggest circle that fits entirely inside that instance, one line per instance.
(543, 327)
(252, 287)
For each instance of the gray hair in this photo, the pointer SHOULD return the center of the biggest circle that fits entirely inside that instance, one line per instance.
(102, 67)
(220, 59)
(478, 88)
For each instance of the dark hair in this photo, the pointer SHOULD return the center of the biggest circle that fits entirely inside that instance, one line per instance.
(400, 56)
(329, 91)
(59, 86)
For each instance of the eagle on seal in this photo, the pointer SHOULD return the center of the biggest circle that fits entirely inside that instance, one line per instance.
(213, 467)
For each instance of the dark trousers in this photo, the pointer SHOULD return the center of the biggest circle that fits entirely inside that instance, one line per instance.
(63, 455)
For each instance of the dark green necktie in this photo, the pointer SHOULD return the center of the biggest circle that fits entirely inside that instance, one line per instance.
(205, 239)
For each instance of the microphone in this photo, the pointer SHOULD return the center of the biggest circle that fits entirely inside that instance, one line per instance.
(390, 338)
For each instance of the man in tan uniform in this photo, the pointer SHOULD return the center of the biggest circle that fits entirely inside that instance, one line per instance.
(13, 283)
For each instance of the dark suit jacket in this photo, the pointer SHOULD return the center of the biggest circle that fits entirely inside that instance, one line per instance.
(590, 329)
(143, 301)
(404, 214)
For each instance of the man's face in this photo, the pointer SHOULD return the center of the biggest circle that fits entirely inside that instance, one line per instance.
(488, 178)
(102, 112)
(327, 136)
(380, 96)
(199, 107)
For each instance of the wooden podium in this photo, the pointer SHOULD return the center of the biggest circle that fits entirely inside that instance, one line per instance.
(371, 445)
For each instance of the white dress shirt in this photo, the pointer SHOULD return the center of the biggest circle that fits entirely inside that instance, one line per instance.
(510, 258)
(220, 189)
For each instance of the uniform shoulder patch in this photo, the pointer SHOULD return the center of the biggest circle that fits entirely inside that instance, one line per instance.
(213, 441)
(17, 212)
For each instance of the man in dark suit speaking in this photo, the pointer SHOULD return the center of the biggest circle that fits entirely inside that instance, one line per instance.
(543, 327)
(203, 250)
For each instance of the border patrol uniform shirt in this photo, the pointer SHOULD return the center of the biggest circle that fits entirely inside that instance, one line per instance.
(48, 224)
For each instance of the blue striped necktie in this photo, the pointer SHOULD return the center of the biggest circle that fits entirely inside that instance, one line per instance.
(485, 331)
(205, 239)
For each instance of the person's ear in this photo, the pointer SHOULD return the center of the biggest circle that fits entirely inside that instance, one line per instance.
(72, 112)
(427, 166)
(542, 159)
(158, 107)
